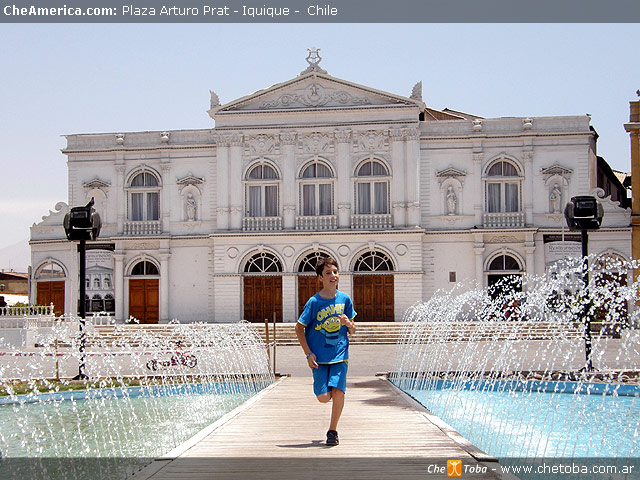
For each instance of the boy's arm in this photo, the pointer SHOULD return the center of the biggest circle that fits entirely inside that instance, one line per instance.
(349, 323)
(302, 339)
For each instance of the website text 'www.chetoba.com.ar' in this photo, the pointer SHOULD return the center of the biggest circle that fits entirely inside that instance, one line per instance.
(593, 468)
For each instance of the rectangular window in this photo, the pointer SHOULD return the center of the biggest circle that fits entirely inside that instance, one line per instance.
(380, 197)
(308, 200)
(511, 197)
(137, 200)
(493, 197)
(364, 198)
(325, 199)
(153, 206)
(271, 201)
(255, 202)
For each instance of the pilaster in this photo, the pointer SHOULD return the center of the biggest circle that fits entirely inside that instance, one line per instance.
(288, 141)
(118, 283)
(222, 182)
(398, 187)
(235, 181)
(343, 186)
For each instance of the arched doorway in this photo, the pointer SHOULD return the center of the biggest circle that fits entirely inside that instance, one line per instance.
(50, 286)
(373, 295)
(262, 288)
(144, 292)
(308, 283)
(504, 274)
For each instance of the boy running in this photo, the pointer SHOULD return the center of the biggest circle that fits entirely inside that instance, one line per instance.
(322, 332)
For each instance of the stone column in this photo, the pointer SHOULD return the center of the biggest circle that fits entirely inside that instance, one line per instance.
(398, 187)
(529, 250)
(288, 141)
(412, 175)
(118, 283)
(289, 307)
(478, 249)
(165, 253)
(121, 197)
(479, 187)
(527, 186)
(165, 202)
(344, 189)
(235, 182)
(222, 182)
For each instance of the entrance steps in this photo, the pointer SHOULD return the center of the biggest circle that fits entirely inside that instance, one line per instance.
(367, 333)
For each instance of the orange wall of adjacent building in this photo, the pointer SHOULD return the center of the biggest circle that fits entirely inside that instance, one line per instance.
(633, 127)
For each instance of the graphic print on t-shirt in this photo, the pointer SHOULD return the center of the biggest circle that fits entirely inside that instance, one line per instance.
(329, 323)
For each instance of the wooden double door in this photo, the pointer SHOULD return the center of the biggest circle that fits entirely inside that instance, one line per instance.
(144, 299)
(51, 292)
(373, 298)
(262, 297)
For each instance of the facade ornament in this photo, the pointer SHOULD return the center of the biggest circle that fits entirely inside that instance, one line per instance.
(451, 172)
(214, 100)
(555, 199)
(191, 207)
(120, 138)
(164, 137)
(558, 170)
(343, 136)
(371, 140)
(96, 183)
(416, 92)
(289, 138)
(313, 96)
(452, 201)
(165, 167)
(527, 123)
(261, 144)
(316, 143)
(503, 239)
(477, 157)
(236, 140)
(313, 59)
(190, 179)
(477, 125)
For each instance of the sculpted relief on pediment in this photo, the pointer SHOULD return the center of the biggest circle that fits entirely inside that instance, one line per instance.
(313, 96)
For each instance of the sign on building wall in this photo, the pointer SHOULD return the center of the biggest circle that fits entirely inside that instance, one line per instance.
(557, 247)
(100, 291)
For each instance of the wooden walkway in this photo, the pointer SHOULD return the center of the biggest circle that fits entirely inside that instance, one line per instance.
(280, 433)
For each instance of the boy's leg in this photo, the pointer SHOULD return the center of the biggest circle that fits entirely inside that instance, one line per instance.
(337, 396)
(321, 383)
(338, 385)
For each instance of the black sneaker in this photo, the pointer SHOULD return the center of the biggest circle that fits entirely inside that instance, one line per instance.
(332, 438)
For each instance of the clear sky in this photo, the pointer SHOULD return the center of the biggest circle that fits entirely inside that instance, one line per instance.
(86, 78)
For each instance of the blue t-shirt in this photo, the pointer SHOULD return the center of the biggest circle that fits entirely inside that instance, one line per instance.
(326, 336)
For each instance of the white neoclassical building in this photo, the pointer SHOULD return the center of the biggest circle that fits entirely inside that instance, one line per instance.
(226, 223)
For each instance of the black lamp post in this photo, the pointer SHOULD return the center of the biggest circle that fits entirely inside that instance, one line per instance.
(82, 224)
(585, 213)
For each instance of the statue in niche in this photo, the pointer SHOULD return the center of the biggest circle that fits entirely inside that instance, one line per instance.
(452, 200)
(191, 207)
(554, 199)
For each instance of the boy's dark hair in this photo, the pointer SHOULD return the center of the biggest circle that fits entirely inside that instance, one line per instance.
(324, 262)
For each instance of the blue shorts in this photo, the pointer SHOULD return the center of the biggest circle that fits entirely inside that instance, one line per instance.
(329, 375)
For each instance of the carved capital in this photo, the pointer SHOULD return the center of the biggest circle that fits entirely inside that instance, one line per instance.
(477, 157)
(343, 136)
(396, 134)
(289, 138)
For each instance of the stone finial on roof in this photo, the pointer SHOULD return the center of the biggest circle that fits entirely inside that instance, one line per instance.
(313, 59)
(416, 93)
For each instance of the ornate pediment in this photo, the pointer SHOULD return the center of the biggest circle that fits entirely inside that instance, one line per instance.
(314, 90)
(190, 180)
(556, 170)
(451, 172)
(96, 183)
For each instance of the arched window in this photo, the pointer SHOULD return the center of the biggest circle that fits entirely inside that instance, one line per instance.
(262, 191)
(308, 263)
(263, 262)
(504, 275)
(50, 270)
(372, 188)
(503, 185)
(144, 197)
(317, 190)
(373, 262)
(144, 268)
